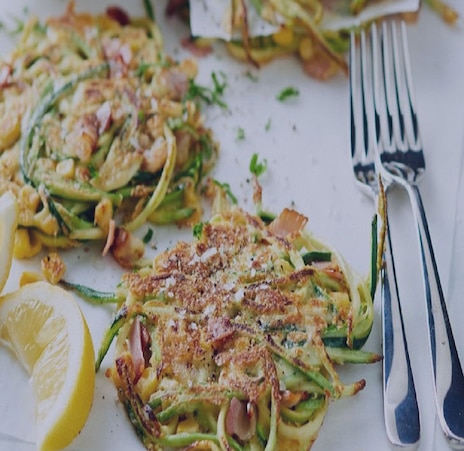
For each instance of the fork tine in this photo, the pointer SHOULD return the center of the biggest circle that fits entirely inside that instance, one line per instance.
(400, 126)
(363, 133)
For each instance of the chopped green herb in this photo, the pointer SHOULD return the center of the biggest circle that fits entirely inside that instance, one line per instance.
(142, 69)
(316, 256)
(257, 168)
(240, 134)
(267, 127)
(266, 216)
(226, 188)
(148, 236)
(198, 229)
(149, 9)
(209, 96)
(287, 92)
(93, 170)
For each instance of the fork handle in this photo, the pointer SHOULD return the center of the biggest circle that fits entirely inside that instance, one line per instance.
(448, 377)
(401, 411)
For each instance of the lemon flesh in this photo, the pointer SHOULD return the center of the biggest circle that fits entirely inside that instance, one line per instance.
(48, 333)
(9, 216)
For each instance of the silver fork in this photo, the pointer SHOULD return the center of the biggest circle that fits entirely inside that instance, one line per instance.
(400, 403)
(402, 157)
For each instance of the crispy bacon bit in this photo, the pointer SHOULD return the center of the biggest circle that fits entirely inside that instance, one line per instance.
(288, 224)
(219, 329)
(126, 248)
(110, 237)
(104, 117)
(241, 419)
(320, 67)
(117, 52)
(118, 14)
(5, 72)
(139, 346)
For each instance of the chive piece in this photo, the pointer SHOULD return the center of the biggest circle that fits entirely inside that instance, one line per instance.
(287, 92)
(149, 10)
(148, 236)
(316, 256)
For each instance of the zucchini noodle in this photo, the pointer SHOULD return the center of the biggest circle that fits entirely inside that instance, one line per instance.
(99, 131)
(231, 341)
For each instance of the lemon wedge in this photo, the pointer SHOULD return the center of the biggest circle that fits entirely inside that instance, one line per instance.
(9, 215)
(47, 331)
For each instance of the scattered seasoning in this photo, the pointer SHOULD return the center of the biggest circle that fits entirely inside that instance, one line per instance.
(289, 91)
(240, 134)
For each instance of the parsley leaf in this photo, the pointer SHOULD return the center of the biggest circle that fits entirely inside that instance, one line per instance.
(287, 92)
(240, 134)
(198, 229)
(257, 168)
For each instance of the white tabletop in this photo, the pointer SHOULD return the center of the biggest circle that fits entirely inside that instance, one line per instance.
(307, 149)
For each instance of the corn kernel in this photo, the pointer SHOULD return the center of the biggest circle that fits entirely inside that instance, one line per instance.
(25, 246)
(187, 425)
(66, 168)
(306, 49)
(147, 384)
(284, 37)
(44, 221)
(103, 214)
(10, 129)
